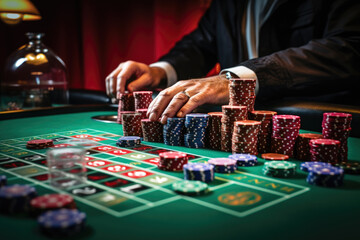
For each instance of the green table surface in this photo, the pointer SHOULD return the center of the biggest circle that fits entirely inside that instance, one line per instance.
(267, 208)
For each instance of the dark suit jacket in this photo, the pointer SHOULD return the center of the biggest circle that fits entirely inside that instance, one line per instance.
(306, 47)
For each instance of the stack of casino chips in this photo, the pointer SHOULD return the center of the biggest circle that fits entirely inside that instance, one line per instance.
(285, 132)
(245, 137)
(131, 124)
(128, 141)
(172, 161)
(190, 188)
(152, 131)
(324, 150)
(281, 169)
(244, 159)
(126, 104)
(142, 99)
(16, 198)
(62, 222)
(39, 144)
(264, 137)
(223, 165)
(173, 131)
(306, 166)
(338, 126)
(195, 127)
(242, 92)
(325, 176)
(49, 202)
(214, 130)
(231, 114)
(3, 180)
(142, 112)
(302, 146)
(199, 171)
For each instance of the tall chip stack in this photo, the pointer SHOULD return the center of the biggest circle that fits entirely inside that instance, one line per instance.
(126, 104)
(302, 146)
(152, 131)
(195, 127)
(264, 137)
(142, 99)
(338, 126)
(131, 123)
(324, 150)
(173, 131)
(142, 111)
(245, 137)
(231, 114)
(214, 130)
(242, 92)
(285, 132)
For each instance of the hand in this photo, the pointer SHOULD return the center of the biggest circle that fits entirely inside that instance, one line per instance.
(173, 101)
(145, 77)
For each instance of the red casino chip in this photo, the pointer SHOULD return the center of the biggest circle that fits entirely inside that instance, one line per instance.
(274, 156)
(40, 144)
(51, 202)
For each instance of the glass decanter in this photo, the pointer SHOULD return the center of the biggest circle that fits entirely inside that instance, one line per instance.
(34, 76)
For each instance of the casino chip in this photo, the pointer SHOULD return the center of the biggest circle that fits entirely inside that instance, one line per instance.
(310, 165)
(325, 176)
(152, 131)
(324, 150)
(191, 188)
(172, 161)
(131, 124)
(199, 171)
(16, 198)
(129, 141)
(223, 165)
(214, 130)
(173, 131)
(51, 202)
(62, 222)
(3, 180)
(349, 167)
(274, 156)
(245, 137)
(302, 146)
(242, 92)
(244, 160)
(142, 99)
(195, 127)
(39, 144)
(281, 169)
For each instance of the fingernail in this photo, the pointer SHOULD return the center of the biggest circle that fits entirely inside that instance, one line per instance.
(152, 117)
(163, 119)
(180, 114)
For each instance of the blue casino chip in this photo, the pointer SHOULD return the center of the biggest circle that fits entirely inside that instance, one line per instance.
(173, 131)
(3, 180)
(128, 141)
(325, 176)
(195, 124)
(305, 166)
(16, 198)
(244, 160)
(199, 171)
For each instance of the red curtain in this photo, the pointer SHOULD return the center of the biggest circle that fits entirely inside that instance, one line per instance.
(94, 36)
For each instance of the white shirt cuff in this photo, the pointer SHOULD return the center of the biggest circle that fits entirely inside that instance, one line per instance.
(243, 72)
(169, 70)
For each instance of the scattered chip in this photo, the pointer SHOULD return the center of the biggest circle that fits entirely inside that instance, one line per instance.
(191, 188)
(274, 156)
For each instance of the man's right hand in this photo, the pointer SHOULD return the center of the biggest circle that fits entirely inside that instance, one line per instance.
(145, 77)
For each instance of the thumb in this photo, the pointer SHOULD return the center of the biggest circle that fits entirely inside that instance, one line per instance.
(140, 83)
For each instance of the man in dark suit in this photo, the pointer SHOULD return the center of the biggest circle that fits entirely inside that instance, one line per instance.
(291, 47)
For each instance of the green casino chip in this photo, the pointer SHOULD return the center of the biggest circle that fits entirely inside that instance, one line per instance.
(188, 187)
(349, 167)
(283, 165)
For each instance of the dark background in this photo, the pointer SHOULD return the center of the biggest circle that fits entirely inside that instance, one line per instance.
(93, 36)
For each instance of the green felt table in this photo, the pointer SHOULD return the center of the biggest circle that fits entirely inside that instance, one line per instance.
(242, 205)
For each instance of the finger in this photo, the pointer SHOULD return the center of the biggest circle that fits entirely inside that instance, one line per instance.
(192, 103)
(175, 104)
(160, 103)
(107, 86)
(127, 71)
(140, 83)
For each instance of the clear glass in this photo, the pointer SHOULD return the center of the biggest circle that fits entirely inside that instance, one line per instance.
(34, 76)
(66, 167)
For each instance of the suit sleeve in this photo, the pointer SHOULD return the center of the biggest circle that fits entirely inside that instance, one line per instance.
(328, 64)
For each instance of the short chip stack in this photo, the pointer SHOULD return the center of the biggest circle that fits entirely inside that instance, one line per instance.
(264, 136)
(173, 131)
(282, 169)
(126, 104)
(338, 126)
(142, 112)
(195, 125)
(48, 202)
(172, 161)
(325, 176)
(349, 167)
(245, 137)
(39, 144)
(142, 99)
(128, 141)
(131, 124)
(242, 92)
(16, 198)
(223, 165)
(324, 150)
(214, 130)
(190, 188)
(231, 114)
(285, 132)
(306, 166)
(302, 146)
(199, 171)
(152, 131)
(62, 223)
(244, 160)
